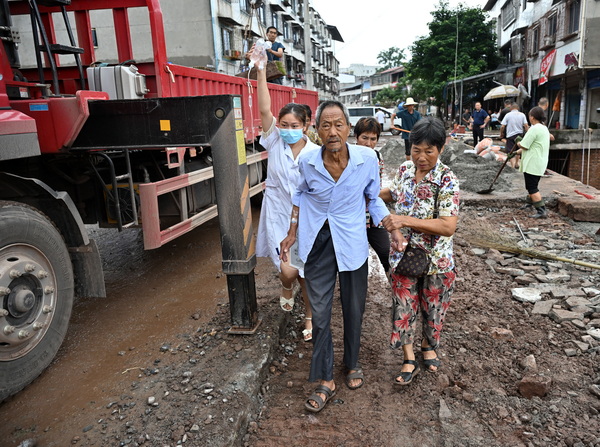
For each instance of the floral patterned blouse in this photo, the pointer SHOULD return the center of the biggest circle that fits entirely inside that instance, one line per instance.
(418, 200)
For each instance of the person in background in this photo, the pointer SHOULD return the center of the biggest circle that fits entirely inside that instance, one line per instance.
(494, 123)
(409, 117)
(543, 103)
(275, 53)
(413, 191)
(283, 143)
(505, 110)
(479, 120)
(514, 125)
(367, 132)
(466, 118)
(311, 134)
(328, 220)
(380, 118)
(534, 149)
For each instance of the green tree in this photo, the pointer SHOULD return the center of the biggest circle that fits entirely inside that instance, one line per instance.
(390, 58)
(434, 56)
(389, 97)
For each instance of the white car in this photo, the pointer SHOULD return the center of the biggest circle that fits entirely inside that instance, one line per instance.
(357, 113)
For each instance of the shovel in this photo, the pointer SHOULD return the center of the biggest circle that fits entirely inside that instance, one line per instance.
(490, 189)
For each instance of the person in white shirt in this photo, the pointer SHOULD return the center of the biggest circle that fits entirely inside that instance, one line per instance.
(380, 118)
(283, 143)
(514, 125)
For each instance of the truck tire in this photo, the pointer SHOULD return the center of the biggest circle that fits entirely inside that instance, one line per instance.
(36, 295)
(395, 132)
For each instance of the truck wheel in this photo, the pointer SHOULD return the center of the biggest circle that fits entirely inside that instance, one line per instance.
(36, 295)
(394, 132)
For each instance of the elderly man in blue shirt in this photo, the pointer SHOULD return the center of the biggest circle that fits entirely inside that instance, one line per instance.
(328, 220)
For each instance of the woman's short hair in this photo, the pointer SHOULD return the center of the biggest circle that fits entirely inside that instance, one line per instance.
(429, 130)
(331, 103)
(538, 113)
(367, 125)
(298, 110)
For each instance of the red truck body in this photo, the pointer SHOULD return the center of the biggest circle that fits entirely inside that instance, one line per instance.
(54, 176)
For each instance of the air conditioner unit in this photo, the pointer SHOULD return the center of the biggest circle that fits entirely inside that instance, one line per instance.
(549, 40)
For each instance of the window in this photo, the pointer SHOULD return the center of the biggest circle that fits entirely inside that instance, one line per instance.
(262, 14)
(551, 27)
(245, 6)
(574, 10)
(508, 13)
(274, 20)
(285, 29)
(227, 36)
(535, 40)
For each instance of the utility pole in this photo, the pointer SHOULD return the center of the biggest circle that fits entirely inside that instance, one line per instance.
(307, 47)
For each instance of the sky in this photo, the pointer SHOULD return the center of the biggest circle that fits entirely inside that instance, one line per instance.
(368, 27)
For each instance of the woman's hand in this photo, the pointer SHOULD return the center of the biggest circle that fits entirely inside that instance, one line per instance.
(285, 245)
(398, 242)
(393, 222)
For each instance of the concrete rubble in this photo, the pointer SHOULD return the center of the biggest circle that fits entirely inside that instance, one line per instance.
(557, 290)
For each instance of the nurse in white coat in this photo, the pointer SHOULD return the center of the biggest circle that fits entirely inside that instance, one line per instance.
(283, 142)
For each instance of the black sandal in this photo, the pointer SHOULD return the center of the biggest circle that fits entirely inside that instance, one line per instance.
(431, 362)
(328, 392)
(356, 375)
(407, 377)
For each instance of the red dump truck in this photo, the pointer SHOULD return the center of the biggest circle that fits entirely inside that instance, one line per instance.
(122, 146)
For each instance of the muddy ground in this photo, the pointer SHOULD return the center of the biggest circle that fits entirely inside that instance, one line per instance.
(153, 364)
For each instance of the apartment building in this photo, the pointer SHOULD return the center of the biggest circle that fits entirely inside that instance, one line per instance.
(239, 23)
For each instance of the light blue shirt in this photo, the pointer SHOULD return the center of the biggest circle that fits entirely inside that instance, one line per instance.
(342, 203)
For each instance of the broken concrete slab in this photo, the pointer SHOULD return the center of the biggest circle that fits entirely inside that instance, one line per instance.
(583, 347)
(564, 292)
(591, 292)
(543, 307)
(553, 277)
(510, 271)
(526, 280)
(561, 315)
(594, 333)
(526, 294)
(577, 301)
(544, 288)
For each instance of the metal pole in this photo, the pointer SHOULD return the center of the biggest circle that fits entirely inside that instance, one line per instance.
(235, 215)
(308, 47)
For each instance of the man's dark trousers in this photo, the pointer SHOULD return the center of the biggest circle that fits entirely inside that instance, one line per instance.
(477, 134)
(320, 273)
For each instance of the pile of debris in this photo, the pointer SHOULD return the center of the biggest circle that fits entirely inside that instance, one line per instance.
(557, 272)
(474, 173)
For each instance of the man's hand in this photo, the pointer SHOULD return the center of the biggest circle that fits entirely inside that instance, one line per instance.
(285, 245)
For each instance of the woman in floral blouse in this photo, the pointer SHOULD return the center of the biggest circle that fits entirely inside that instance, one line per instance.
(414, 192)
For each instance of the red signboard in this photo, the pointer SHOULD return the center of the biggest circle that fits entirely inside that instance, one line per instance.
(545, 67)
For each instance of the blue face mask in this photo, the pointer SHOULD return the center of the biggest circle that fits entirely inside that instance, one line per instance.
(290, 136)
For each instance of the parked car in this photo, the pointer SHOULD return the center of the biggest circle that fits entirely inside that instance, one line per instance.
(357, 113)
